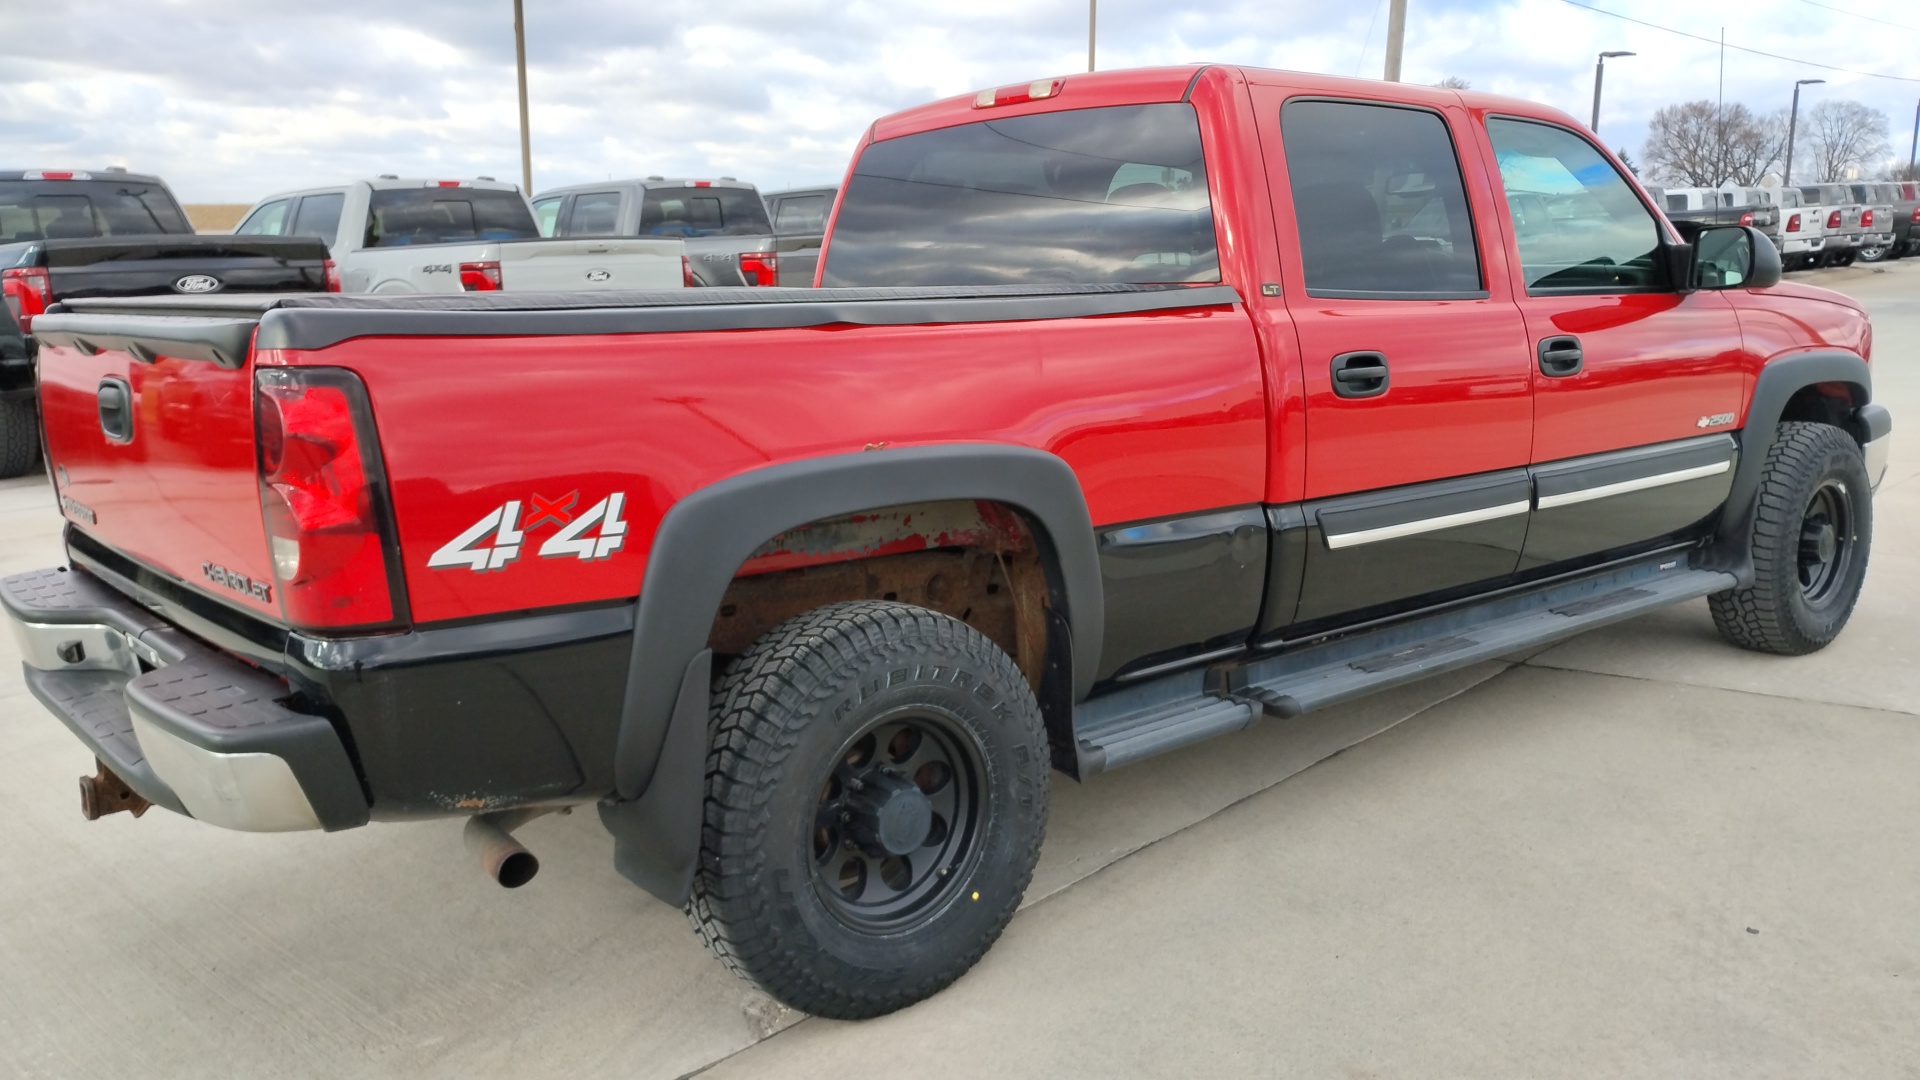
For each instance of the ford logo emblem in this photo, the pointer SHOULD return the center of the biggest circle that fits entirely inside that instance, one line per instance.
(599, 275)
(197, 283)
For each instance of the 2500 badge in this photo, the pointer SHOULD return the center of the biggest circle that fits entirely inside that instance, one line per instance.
(509, 533)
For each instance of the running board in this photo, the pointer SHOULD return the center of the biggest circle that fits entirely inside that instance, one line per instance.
(1167, 713)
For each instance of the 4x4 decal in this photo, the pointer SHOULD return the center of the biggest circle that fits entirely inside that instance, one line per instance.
(509, 533)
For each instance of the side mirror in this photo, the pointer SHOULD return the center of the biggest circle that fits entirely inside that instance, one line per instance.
(1734, 257)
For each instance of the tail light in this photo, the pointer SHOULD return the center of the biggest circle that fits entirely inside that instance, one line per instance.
(332, 272)
(323, 496)
(28, 291)
(1014, 95)
(1746, 218)
(1793, 223)
(1866, 219)
(480, 276)
(1833, 220)
(1916, 215)
(760, 267)
(687, 280)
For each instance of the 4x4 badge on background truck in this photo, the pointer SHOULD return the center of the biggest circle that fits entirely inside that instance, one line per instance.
(509, 533)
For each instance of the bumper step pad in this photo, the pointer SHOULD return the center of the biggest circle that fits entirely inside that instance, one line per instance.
(1177, 710)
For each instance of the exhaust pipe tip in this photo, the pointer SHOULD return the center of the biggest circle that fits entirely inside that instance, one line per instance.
(506, 860)
(516, 869)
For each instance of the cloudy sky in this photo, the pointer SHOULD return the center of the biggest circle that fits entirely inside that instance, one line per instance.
(231, 99)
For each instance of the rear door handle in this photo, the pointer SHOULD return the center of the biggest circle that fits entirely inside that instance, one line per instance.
(1360, 374)
(1560, 357)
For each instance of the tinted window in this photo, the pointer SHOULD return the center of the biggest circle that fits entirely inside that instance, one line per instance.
(802, 214)
(595, 213)
(319, 216)
(268, 220)
(698, 211)
(1080, 197)
(78, 209)
(1578, 223)
(400, 216)
(1379, 202)
(1676, 204)
(546, 212)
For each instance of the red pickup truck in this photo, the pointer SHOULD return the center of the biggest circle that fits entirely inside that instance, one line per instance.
(1134, 408)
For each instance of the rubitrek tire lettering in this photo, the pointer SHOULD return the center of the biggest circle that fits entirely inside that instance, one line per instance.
(876, 800)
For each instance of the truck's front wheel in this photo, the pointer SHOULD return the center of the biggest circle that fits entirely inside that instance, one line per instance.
(1812, 531)
(876, 798)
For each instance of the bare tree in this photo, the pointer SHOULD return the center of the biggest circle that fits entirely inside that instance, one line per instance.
(1454, 82)
(1905, 172)
(1845, 138)
(1700, 144)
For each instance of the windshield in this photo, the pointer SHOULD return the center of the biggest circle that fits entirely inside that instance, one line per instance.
(81, 209)
(401, 216)
(697, 211)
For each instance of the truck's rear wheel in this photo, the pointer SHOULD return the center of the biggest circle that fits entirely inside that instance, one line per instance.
(1874, 253)
(19, 437)
(876, 798)
(1812, 531)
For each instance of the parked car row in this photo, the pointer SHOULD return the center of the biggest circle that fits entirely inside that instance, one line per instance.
(1813, 224)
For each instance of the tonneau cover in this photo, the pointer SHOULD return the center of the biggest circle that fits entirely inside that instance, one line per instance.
(319, 320)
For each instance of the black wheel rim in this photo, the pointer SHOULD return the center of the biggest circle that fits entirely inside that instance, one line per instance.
(1826, 543)
(898, 767)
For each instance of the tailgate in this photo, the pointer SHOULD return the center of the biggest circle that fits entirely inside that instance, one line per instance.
(590, 264)
(164, 265)
(150, 438)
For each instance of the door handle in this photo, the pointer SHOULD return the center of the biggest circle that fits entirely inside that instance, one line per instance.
(1360, 374)
(116, 409)
(1560, 357)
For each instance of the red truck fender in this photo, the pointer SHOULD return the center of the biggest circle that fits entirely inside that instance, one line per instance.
(1793, 387)
(660, 756)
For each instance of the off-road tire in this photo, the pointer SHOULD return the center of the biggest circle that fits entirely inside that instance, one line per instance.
(783, 717)
(1776, 614)
(19, 438)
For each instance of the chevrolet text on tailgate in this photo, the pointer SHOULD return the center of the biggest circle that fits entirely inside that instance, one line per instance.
(1135, 408)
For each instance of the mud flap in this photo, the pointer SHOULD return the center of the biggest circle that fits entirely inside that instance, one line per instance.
(656, 837)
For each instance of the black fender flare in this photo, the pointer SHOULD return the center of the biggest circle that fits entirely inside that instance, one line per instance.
(1778, 381)
(660, 754)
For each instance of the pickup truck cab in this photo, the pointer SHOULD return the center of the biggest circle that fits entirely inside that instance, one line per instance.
(799, 229)
(68, 234)
(1135, 408)
(391, 235)
(722, 222)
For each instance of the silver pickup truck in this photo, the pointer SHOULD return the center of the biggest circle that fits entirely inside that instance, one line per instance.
(723, 222)
(394, 235)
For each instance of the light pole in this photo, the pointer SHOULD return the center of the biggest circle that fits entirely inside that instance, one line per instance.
(520, 58)
(1396, 37)
(1793, 121)
(1093, 20)
(1913, 152)
(1599, 74)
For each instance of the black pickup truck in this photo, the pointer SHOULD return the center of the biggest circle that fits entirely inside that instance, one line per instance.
(74, 235)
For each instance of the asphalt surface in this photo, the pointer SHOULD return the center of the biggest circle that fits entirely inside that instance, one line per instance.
(1640, 852)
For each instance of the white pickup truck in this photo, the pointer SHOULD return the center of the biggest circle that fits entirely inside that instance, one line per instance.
(390, 235)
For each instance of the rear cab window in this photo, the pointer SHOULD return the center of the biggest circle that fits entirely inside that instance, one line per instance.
(1085, 196)
(319, 217)
(692, 211)
(84, 209)
(801, 214)
(400, 216)
(593, 213)
(1577, 222)
(1379, 202)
